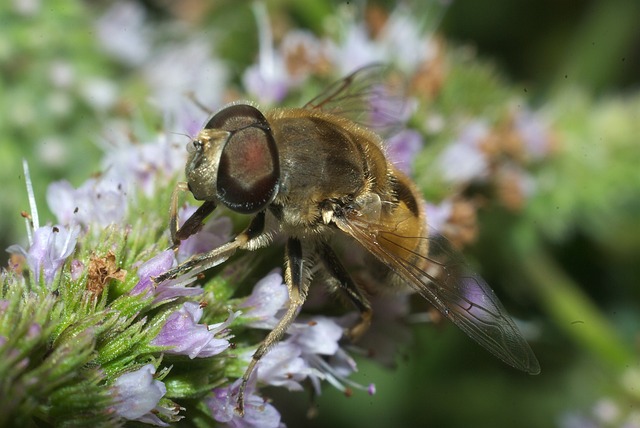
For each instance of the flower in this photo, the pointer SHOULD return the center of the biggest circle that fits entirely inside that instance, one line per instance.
(138, 394)
(267, 80)
(101, 201)
(165, 291)
(268, 297)
(257, 411)
(51, 247)
(438, 216)
(182, 334)
(122, 33)
(463, 161)
(534, 133)
(145, 167)
(181, 70)
(402, 149)
(283, 365)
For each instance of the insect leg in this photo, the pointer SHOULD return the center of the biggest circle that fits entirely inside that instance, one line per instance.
(349, 287)
(202, 262)
(298, 286)
(193, 223)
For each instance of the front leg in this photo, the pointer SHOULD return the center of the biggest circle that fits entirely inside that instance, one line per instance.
(201, 262)
(193, 224)
(298, 286)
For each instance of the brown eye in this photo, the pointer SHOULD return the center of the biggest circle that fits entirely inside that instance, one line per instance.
(249, 169)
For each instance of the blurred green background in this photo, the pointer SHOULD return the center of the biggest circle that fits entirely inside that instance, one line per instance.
(576, 252)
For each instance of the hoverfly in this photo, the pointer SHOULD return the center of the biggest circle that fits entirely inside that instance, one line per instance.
(316, 174)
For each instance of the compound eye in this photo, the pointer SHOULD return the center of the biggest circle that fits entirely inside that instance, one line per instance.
(194, 146)
(249, 169)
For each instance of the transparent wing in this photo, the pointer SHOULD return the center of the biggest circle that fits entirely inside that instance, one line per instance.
(444, 279)
(373, 96)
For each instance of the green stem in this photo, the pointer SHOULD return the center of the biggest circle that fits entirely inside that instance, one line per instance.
(571, 309)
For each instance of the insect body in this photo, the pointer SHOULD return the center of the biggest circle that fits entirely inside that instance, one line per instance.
(319, 174)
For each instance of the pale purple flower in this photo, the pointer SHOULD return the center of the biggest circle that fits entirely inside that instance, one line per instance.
(181, 70)
(404, 40)
(267, 80)
(534, 132)
(215, 232)
(141, 166)
(318, 335)
(182, 334)
(283, 366)
(123, 33)
(266, 84)
(258, 413)
(158, 264)
(101, 201)
(438, 216)
(356, 49)
(165, 291)
(463, 161)
(318, 340)
(137, 394)
(402, 149)
(268, 298)
(336, 370)
(50, 249)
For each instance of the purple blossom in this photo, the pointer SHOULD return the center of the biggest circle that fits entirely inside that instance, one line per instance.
(143, 167)
(463, 161)
(405, 42)
(325, 360)
(534, 133)
(438, 216)
(356, 50)
(184, 336)
(180, 70)
(267, 80)
(100, 201)
(402, 41)
(165, 291)
(257, 411)
(51, 247)
(283, 366)
(267, 83)
(122, 32)
(216, 232)
(158, 264)
(268, 297)
(319, 335)
(402, 149)
(137, 394)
